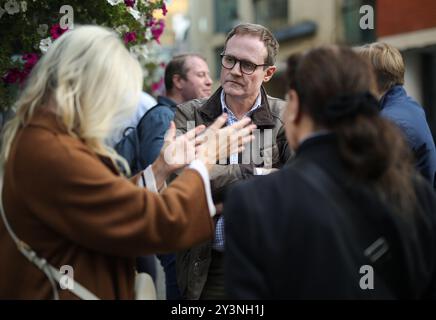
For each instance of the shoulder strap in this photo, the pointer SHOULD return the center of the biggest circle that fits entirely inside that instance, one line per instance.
(51, 272)
(157, 106)
(380, 243)
(136, 142)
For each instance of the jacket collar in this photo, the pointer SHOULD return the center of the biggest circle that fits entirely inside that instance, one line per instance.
(166, 101)
(47, 119)
(395, 92)
(261, 117)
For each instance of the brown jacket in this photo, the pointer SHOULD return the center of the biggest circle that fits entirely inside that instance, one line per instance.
(269, 149)
(73, 209)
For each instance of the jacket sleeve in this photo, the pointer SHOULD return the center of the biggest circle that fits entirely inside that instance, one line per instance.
(243, 265)
(72, 192)
(221, 176)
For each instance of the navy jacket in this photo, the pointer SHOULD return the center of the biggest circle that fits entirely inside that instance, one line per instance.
(409, 116)
(285, 240)
(141, 146)
(152, 128)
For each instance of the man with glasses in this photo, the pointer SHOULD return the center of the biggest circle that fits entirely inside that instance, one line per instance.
(247, 62)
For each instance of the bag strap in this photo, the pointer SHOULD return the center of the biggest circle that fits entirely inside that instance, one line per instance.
(386, 243)
(51, 272)
(134, 132)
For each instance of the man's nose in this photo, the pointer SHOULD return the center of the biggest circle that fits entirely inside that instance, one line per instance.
(236, 69)
(208, 81)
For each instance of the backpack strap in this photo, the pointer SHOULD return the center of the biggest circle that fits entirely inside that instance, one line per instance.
(136, 139)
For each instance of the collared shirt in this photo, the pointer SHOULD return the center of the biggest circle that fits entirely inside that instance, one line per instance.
(231, 119)
(218, 243)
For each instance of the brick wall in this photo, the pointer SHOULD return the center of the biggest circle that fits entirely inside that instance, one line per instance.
(400, 16)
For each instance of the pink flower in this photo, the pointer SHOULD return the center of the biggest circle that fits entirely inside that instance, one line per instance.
(30, 60)
(129, 3)
(157, 29)
(15, 75)
(150, 22)
(129, 37)
(23, 76)
(56, 31)
(12, 76)
(157, 85)
(164, 9)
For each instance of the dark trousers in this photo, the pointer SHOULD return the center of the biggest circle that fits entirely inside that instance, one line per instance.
(147, 264)
(214, 287)
(168, 262)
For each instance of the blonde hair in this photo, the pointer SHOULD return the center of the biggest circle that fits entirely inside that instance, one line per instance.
(387, 62)
(90, 80)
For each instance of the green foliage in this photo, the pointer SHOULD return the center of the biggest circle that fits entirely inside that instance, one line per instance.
(21, 33)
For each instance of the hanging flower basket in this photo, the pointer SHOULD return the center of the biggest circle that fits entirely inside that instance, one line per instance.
(28, 28)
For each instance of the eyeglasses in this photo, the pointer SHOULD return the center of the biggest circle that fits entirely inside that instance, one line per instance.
(246, 67)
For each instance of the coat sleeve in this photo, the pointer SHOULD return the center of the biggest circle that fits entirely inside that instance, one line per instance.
(71, 191)
(243, 264)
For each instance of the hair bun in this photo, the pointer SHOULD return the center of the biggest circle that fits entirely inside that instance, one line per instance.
(350, 105)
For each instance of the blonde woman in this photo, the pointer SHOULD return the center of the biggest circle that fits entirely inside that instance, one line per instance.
(63, 194)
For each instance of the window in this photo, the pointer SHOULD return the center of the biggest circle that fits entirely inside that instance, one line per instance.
(271, 13)
(354, 35)
(226, 15)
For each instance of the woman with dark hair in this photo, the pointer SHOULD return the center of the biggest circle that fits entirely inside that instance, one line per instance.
(349, 217)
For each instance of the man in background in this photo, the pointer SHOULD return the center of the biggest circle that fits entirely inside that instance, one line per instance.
(401, 109)
(247, 62)
(187, 77)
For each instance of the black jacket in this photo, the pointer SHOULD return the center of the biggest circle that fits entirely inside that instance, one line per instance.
(285, 240)
(141, 145)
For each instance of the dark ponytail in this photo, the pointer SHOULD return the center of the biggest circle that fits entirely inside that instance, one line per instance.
(334, 86)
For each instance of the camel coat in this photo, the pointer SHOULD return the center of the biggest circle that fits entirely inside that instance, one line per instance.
(71, 206)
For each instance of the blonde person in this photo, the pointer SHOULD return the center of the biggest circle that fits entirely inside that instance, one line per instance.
(397, 106)
(63, 194)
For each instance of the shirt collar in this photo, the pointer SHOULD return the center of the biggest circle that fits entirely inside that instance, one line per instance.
(227, 110)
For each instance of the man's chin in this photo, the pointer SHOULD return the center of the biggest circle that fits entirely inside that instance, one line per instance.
(205, 94)
(232, 91)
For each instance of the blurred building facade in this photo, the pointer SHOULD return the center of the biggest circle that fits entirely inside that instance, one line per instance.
(297, 24)
(176, 26)
(302, 24)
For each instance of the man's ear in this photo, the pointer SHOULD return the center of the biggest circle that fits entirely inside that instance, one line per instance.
(178, 81)
(294, 111)
(269, 72)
